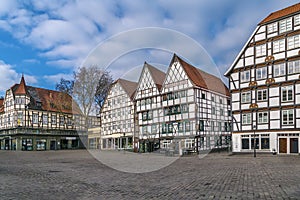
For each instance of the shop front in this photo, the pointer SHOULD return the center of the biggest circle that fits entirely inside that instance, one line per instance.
(288, 143)
(27, 144)
(41, 144)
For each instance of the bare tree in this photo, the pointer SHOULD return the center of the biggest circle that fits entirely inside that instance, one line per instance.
(89, 89)
(65, 86)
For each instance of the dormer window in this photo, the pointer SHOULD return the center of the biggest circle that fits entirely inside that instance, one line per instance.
(39, 104)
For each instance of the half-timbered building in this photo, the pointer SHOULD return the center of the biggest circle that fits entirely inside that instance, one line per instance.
(265, 88)
(148, 108)
(34, 118)
(117, 116)
(195, 109)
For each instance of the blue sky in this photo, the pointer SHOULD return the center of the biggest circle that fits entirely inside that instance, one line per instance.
(48, 39)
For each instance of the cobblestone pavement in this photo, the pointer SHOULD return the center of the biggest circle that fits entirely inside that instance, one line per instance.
(77, 175)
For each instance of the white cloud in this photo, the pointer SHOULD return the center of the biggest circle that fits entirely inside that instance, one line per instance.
(9, 77)
(56, 77)
(65, 31)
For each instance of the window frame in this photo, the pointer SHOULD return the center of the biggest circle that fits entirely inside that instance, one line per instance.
(246, 100)
(288, 114)
(248, 118)
(283, 93)
(263, 117)
(261, 73)
(262, 95)
(278, 67)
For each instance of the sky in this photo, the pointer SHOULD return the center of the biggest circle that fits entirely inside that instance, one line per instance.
(47, 40)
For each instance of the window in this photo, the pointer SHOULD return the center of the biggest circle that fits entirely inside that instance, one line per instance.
(278, 46)
(287, 93)
(262, 95)
(279, 70)
(213, 110)
(35, 118)
(45, 119)
(287, 117)
(20, 118)
(246, 118)
(246, 97)
(201, 125)
(212, 98)
(263, 117)
(265, 141)
(285, 25)
(261, 73)
(272, 27)
(245, 76)
(61, 120)
(180, 126)
(260, 50)
(221, 100)
(293, 42)
(222, 112)
(297, 20)
(187, 126)
(53, 119)
(203, 96)
(294, 67)
(245, 141)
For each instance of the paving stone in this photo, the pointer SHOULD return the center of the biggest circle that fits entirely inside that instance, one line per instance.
(77, 175)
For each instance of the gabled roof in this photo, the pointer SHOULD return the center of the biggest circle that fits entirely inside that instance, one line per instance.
(1, 105)
(128, 86)
(49, 100)
(281, 13)
(202, 79)
(157, 75)
(21, 89)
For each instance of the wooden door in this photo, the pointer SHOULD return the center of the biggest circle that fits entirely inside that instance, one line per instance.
(282, 145)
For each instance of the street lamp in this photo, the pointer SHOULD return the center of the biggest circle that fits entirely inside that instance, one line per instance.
(254, 142)
(175, 128)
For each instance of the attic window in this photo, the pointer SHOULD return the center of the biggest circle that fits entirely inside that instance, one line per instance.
(38, 104)
(203, 96)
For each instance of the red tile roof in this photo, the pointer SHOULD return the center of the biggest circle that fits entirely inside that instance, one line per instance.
(1, 105)
(128, 86)
(203, 79)
(281, 13)
(21, 90)
(157, 75)
(50, 100)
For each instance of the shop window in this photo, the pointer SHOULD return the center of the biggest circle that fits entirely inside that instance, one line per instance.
(265, 143)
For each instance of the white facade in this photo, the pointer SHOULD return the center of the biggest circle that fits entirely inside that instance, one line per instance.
(177, 113)
(117, 116)
(39, 119)
(265, 87)
(148, 108)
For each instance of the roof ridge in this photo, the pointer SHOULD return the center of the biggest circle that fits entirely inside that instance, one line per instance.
(281, 13)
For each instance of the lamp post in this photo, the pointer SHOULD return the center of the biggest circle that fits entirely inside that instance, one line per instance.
(254, 142)
(175, 127)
